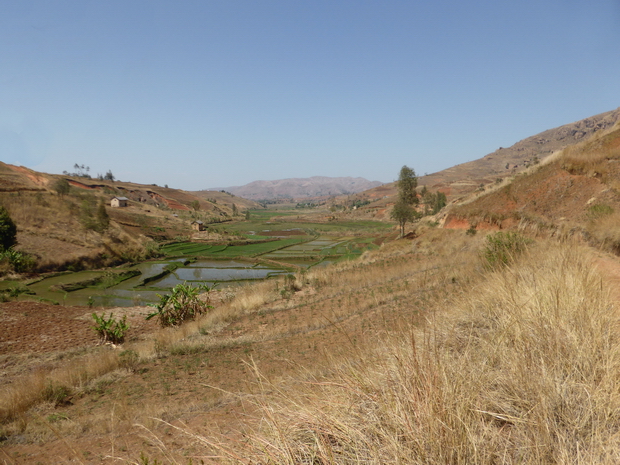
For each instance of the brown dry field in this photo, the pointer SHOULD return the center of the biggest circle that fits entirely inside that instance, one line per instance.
(115, 418)
(119, 416)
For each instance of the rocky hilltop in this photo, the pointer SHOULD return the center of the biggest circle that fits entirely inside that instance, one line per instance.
(298, 188)
(504, 162)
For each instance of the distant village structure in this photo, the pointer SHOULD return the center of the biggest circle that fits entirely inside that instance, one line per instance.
(198, 225)
(118, 202)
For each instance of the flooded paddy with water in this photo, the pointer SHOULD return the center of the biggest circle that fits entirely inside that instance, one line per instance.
(192, 263)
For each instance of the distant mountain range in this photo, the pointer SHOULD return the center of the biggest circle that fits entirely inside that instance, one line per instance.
(299, 188)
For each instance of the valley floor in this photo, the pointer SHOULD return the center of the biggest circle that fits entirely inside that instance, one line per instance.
(205, 391)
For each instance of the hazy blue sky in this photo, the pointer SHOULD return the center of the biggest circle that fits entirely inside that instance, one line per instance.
(198, 94)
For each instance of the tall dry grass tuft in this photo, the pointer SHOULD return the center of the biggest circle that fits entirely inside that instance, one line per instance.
(54, 385)
(523, 369)
(604, 231)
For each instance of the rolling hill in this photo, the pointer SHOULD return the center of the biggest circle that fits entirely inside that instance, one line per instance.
(461, 180)
(431, 349)
(59, 229)
(301, 188)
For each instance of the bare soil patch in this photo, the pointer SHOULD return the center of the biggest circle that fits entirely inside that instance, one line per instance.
(35, 327)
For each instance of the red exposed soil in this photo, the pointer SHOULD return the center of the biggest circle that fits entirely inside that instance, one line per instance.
(35, 327)
(35, 178)
(548, 196)
(80, 185)
(169, 202)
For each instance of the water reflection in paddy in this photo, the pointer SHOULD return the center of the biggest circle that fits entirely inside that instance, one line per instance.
(231, 272)
(212, 275)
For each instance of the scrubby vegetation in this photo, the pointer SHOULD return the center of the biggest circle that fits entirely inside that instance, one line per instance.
(184, 303)
(434, 357)
(110, 329)
(460, 346)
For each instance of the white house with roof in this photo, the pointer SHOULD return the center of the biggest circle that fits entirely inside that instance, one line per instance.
(117, 202)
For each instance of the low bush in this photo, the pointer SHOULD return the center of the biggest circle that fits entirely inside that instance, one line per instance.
(599, 210)
(56, 393)
(19, 262)
(183, 304)
(502, 248)
(110, 329)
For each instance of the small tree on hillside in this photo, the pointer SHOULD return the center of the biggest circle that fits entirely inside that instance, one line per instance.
(407, 197)
(8, 230)
(407, 183)
(62, 187)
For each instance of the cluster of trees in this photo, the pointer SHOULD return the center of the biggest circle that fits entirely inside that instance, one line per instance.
(433, 202)
(405, 208)
(82, 171)
(360, 203)
(8, 230)
(306, 205)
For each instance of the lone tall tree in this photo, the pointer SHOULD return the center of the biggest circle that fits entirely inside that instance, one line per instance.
(407, 197)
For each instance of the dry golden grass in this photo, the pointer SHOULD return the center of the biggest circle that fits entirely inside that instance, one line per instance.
(49, 227)
(593, 157)
(40, 211)
(522, 369)
(605, 231)
(511, 366)
(54, 385)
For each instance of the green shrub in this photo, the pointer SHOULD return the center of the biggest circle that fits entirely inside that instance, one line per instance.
(502, 248)
(180, 306)
(8, 230)
(110, 329)
(56, 393)
(599, 210)
(20, 262)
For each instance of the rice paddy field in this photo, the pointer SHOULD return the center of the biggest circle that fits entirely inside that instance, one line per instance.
(274, 244)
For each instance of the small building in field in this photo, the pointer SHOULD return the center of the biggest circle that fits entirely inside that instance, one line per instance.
(198, 225)
(118, 202)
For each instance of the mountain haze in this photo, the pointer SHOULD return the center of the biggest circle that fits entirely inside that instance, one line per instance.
(295, 188)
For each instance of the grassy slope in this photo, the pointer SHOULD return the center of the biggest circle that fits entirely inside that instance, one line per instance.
(417, 353)
(412, 354)
(52, 228)
(577, 193)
